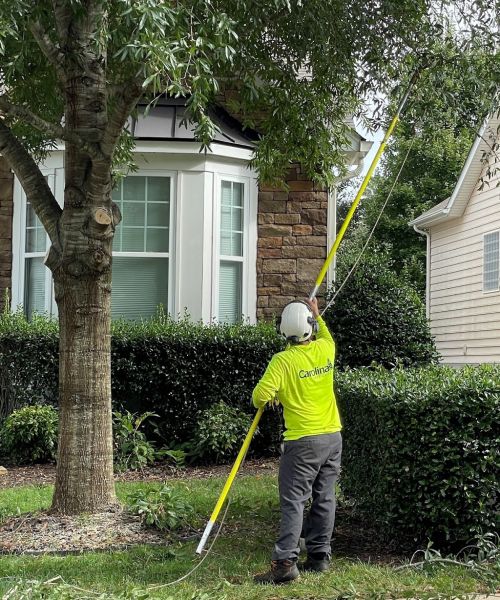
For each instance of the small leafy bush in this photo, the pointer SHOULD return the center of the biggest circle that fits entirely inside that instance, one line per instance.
(420, 453)
(378, 317)
(219, 433)
(29, 435)
(163, 508)
(131, 448)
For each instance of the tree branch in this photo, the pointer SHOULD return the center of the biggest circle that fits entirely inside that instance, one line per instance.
(50, 50)
(51, 129)
(34, 183)
(127, 97)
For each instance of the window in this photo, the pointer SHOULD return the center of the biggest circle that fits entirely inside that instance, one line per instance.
(37, 278)
(141, 252)
(491, 264)
(141, 247)
(231, 251)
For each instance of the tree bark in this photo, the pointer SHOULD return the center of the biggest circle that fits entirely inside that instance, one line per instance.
(81, 265)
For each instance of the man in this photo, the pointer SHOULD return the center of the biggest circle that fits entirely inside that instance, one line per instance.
(302, 378)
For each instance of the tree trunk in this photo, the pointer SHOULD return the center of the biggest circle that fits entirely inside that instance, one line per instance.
(84, 480)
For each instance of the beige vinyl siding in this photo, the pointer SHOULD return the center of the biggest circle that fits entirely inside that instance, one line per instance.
(465, 321)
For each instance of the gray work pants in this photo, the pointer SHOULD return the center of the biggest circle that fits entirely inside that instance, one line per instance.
(309, 467)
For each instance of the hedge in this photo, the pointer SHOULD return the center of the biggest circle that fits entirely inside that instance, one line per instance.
(421, 453)
(421, 445)
(174, 369)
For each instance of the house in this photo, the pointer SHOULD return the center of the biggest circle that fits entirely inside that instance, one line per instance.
(197, 235)
(463, 258)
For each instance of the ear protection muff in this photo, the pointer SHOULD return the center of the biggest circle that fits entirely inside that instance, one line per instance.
(314, 324)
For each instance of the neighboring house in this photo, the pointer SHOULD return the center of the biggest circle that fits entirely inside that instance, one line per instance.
(463, 259)
(197, 235)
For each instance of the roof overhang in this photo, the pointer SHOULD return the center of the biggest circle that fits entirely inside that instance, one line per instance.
(454, 206)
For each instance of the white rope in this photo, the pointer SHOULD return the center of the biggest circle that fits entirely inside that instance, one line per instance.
(356, 262)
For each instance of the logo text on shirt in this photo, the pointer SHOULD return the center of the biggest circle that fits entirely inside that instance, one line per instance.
(303, 374)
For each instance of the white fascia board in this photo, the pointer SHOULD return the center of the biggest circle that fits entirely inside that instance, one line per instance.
(169, 147)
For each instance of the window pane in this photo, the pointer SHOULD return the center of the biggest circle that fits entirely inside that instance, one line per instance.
(133, 213)
(491, 270)
(132, 239)
(157, 240)
(34, 286)
(134, 189)
(158, 214)
(231, 221)
(140, 285)
(159, 189)
(230, 291)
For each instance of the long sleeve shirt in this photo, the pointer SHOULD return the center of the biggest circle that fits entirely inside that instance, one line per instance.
(302, 378)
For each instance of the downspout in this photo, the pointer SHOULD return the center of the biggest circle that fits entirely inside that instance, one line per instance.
(427, 271)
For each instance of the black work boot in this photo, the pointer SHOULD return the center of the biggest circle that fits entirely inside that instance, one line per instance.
(282, 571)
(318, 562)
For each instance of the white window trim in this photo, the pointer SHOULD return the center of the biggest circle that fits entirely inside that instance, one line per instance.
(248, 301)
(497, 289)
(19, 241)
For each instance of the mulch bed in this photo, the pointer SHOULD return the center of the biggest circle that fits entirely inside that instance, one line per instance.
(43, 533)
(45, 474)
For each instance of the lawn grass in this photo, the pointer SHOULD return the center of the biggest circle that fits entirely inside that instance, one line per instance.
(242, 549)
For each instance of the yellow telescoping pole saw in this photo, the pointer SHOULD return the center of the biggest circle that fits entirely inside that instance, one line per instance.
(319, 280)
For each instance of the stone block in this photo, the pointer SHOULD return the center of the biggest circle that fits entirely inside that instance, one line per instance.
(260, 280)
(298, 289)
(268, 291)
(308, 269)
(298, 207)
(5, 226)
(289, 277)
(266, 314)
(317, 197)
(313, 240)
(265, 218)
(280, 301)
(272, 280)
(313, 216)
(269, 252)
(287, 219)
(303, 252)
(6, 189)
(319, 230)
(283, 196)
(272, 206)
(291, 174)
(300, 186)
(265, 196)
(274, 230)
(302, 230)
(279, 265)
(289, 241)
(262, 301)
(270, 242)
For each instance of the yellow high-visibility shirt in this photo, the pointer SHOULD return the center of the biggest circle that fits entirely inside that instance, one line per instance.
(302, 378)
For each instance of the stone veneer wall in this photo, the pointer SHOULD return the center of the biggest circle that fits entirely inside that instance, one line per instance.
(6, 212)
(292, 242)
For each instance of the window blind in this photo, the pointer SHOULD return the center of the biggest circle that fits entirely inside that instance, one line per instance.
(34, 286)
(140, 285)
(230, 291)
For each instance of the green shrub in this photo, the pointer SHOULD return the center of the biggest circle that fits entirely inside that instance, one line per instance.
(29, 435)
(163, 508)
(421, 450)
(219, 433)
(173, 369)
(377, 316)
(131, 448)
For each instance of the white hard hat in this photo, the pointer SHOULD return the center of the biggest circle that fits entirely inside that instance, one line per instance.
(297, 323)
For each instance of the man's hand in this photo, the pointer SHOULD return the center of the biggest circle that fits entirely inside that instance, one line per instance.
(313, 305)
